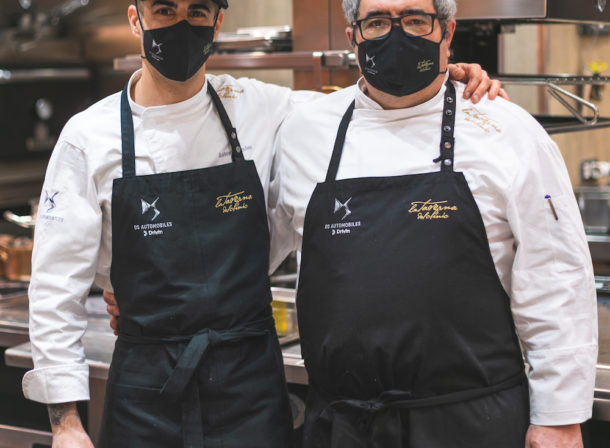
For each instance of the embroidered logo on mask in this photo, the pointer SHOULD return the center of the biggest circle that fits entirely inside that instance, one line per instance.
(157, 51)
(425, 66)
(429, 210)
(370, 65)
(233, 202)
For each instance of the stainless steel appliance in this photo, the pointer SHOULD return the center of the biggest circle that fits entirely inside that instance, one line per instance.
(592, 11)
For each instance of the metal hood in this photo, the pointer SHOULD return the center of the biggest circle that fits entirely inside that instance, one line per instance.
(519, 11)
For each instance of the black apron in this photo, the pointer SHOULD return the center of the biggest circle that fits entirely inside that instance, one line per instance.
(197, 362)
(406, 330)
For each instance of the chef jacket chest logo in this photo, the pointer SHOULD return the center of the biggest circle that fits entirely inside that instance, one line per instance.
(233, 202)
(229, 92)
(342, 209)
(151, 212)
(430, 210)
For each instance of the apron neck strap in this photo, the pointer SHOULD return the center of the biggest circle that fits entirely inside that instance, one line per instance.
(128, 139)
(447, 139)
(127, 136)
(333, 167)
(448, 128)
(236, 149)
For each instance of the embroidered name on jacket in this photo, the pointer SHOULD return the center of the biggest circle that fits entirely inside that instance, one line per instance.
(429, 210)
(229, 92)
(233, 202)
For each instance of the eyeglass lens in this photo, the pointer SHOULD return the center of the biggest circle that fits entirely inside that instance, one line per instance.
(417, 25)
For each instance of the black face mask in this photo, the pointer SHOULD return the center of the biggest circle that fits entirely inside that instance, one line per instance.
(178, 51)
(400, 64)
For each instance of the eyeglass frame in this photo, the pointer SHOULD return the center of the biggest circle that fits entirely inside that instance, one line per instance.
(396, 20)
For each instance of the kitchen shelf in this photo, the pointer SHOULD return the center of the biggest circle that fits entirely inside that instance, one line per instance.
(298, 60)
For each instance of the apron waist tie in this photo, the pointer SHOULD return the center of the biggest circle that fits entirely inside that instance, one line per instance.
(182, 384)
(380, 418)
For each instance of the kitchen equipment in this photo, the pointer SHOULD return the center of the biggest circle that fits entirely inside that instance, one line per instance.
(285, 314)
(266, 38)
(585, 11)
(35, 103)
(594, 204)
(16, 258)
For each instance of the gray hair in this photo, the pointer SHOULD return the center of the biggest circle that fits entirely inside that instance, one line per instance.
(445, 9)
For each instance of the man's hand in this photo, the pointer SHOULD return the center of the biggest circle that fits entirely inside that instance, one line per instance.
(68, 431)
(113, 309)
(568, 436)
(478, 82)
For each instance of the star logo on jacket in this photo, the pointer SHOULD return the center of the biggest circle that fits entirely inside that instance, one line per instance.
(343, 206)
(156, 51)
(146, 207)
(49, 200)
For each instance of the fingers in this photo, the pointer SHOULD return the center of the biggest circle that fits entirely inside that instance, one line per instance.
(114, 324)
(474, 76)
(456, 72)
(494, 89)
(109, 298)
(503, 94)
(482, 88)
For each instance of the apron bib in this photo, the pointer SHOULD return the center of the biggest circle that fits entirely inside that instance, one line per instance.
(406, 330)
(197, 362)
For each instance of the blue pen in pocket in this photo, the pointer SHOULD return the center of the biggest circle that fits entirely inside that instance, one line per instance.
(548, 198)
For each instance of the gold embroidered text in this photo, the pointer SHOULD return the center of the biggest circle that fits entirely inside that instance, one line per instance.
(432, 210)
(233, 202)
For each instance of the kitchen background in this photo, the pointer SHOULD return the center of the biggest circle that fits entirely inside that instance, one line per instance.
(59, 56)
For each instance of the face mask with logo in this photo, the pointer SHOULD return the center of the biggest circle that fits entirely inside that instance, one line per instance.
(178, 51)
(400, 64)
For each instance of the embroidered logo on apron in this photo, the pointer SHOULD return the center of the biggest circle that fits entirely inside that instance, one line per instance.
(342, 209)
(151, 212)
(233, 202)
(429, 210)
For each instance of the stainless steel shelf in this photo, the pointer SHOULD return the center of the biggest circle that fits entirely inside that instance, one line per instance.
(296, 60)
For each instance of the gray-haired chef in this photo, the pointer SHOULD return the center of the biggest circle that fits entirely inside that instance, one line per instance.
(436, 237)
(159, 193)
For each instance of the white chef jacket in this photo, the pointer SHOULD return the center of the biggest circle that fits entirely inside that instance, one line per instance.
(73, 238)
(510, 164)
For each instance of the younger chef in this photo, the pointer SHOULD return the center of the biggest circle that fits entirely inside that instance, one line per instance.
(419, 263)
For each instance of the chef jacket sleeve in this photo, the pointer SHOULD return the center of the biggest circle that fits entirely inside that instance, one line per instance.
(66, 245)
(281, 212)
(553, 293)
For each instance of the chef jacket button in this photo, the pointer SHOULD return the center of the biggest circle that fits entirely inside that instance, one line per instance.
(448, 145)
(449, 100)
(448, 112)
(448, 162)
(233, 135)
(447, 129)
(238, 149)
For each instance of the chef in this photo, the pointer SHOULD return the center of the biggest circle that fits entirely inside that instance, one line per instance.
(437, 236)
(159, 193)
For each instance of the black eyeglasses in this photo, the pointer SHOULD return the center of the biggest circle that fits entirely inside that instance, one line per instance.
(379, 27)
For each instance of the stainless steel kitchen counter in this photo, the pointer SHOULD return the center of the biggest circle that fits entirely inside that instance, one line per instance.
(99, 344)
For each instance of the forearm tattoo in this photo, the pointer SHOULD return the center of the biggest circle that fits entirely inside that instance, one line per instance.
(57, 412)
